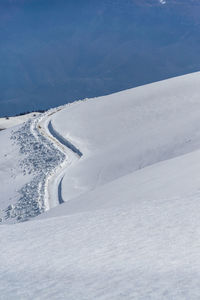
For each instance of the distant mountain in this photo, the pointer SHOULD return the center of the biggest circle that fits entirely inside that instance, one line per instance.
(53, 52)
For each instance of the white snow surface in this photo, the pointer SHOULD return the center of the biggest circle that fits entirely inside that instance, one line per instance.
(121, 133)
(11, 175)
(130, 226)
(13, 121)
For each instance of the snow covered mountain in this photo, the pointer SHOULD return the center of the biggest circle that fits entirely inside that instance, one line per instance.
(113, 184)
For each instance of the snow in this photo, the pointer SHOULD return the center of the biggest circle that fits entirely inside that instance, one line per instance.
(13, 121)
(147, 252)
(11, 175)
(129, 227)
(121, 133)
(180, 179)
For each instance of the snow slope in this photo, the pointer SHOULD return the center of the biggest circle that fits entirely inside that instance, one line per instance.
(13, 121)
(127, 131)
(11, 174)
(129, 228)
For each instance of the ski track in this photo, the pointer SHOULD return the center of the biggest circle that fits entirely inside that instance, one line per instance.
(46, 155)
(62, 140)
(60, 198)
(72, 154)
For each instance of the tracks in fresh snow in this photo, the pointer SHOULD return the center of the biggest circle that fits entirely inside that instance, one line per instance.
(38, 160)
(53, 187)
(62, 140)
(45, 156)
(60, 198)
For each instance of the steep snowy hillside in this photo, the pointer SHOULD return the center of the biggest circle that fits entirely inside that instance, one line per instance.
(126, 166)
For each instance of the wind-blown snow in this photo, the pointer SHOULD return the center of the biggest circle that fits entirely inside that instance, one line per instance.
(130, 226)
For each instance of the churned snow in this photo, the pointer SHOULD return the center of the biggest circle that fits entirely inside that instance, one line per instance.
(127, 167)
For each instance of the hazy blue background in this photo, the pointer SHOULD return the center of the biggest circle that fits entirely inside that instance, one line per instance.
(56, 51)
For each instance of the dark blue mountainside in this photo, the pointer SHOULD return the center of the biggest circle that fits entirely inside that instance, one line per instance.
(56, 51)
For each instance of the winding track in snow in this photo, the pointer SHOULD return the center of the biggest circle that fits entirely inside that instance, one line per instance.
(62, 140)
(46, 155)
(53, 186)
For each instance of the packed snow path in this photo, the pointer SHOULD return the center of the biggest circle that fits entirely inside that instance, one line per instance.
(45, 158)
(53, 188)
(62, 140)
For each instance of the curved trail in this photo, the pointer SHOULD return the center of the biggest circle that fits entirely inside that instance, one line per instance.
(60, 198)
(62, 140)
(53, 184)
(45, 156)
